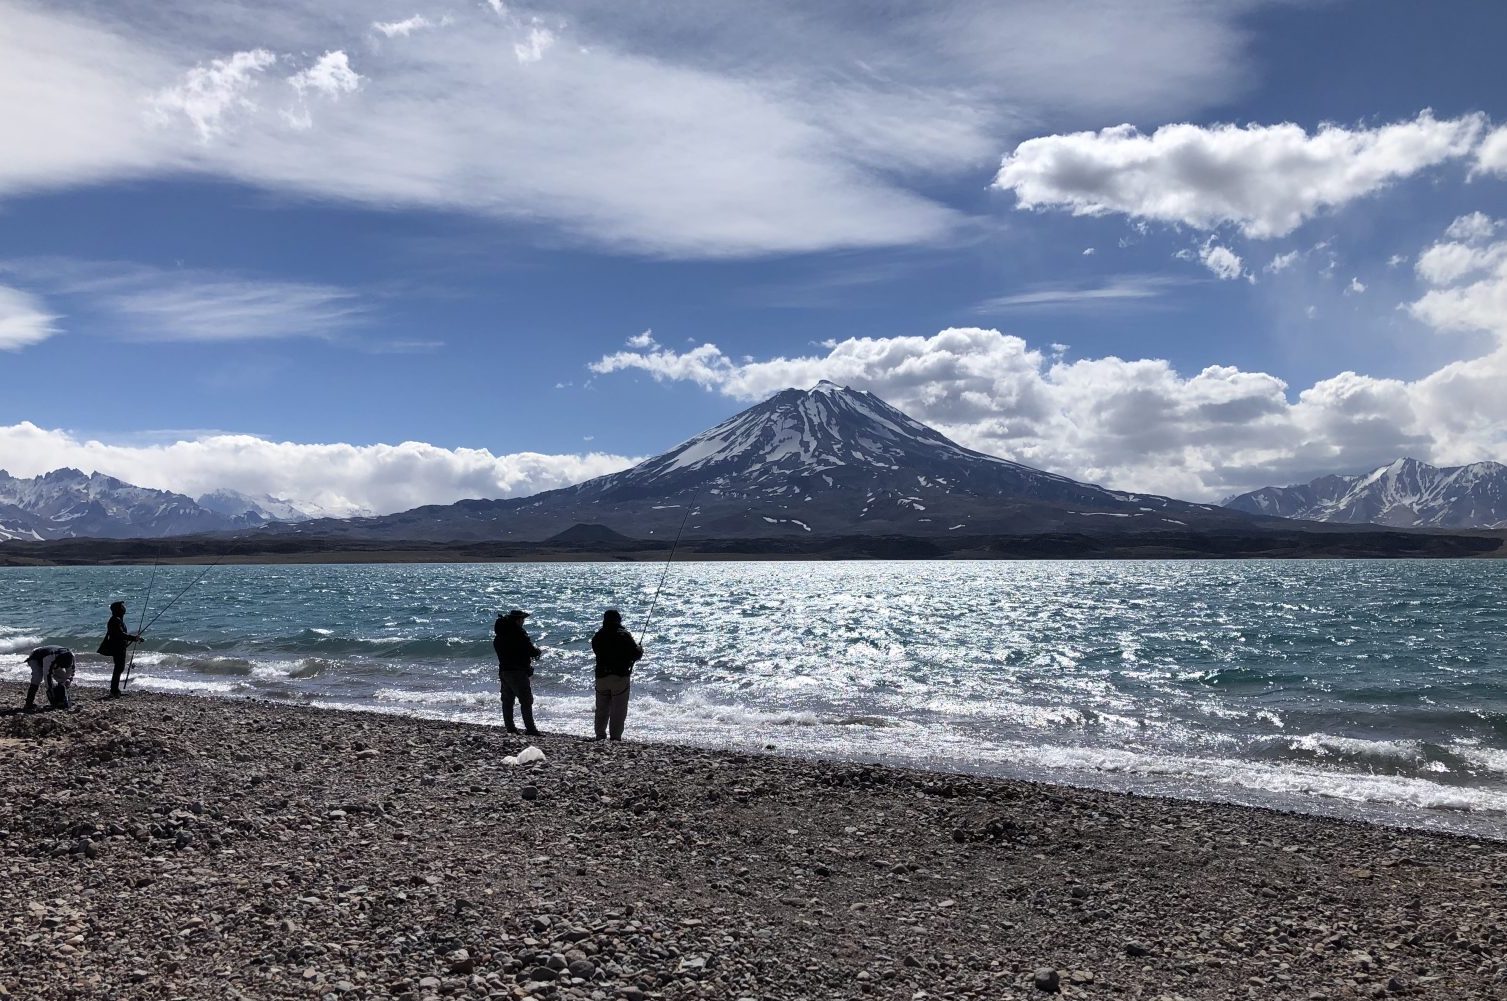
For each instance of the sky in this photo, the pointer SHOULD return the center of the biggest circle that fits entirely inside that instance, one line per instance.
(369, 255)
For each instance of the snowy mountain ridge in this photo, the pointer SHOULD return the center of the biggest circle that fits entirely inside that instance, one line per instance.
(67, 504)
(1405, 493)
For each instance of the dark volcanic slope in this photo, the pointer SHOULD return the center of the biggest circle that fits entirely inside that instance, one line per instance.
(823, 462)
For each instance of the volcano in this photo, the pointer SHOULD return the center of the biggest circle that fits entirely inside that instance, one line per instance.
(829, 461)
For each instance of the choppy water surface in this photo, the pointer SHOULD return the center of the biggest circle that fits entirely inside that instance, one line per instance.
(1371, 688)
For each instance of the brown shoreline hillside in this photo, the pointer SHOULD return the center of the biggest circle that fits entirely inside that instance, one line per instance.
(169, 846)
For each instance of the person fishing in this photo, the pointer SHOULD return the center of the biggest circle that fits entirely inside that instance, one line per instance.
(516, 654)
(116, 644)
(54, 665)
(616, 652)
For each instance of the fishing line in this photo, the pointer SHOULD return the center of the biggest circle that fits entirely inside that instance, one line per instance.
(180, 594)
(131, 664)
(644, 633)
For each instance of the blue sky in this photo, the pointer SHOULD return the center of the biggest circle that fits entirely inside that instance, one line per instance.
(369, 255)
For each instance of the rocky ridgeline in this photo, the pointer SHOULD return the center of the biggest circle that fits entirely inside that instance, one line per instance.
(164, 847)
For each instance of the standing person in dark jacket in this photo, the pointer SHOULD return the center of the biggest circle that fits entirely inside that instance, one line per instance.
(617, 652)
(117, 640)
(516, 654)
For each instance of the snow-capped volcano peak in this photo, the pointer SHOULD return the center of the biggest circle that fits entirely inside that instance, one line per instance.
(824, 439)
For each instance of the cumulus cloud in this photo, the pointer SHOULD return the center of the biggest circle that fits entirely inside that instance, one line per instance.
(1265, 179)
(24, 320)
(211, 93)
(1491, 158)
(331, 76)
(1131, 424)
(341, 479)
(1356, 287)
(717, 131)
(1222, 261)
(1469, 275)
(188, 304)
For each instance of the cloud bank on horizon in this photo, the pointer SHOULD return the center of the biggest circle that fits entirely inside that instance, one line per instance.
(748, 141)
(341, 480)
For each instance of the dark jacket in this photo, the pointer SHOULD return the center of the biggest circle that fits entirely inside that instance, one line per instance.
(515, 651)
(616, 651)
(117, 637)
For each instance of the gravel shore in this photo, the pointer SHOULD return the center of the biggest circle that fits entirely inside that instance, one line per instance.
(178, 847)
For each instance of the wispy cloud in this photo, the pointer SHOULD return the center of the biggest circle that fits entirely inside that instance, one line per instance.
(1122, 291)
(718, 131)
(193, 305)
(24, 320)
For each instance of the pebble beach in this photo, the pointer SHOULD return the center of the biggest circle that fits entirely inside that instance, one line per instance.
(166, 846)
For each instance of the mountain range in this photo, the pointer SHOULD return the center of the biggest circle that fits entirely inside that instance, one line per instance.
(69, 504)
(825, 463)
(828, 461)
(1403, 494)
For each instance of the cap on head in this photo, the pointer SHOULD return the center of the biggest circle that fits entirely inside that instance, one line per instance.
(517, 613)
(612, 617)
(117, 606)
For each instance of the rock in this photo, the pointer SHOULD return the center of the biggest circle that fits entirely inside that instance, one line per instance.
(583, 968)
(1047, 980)
(366, 754)
(1134, 948)
(543, 974)
(461, 962)
(529, 792)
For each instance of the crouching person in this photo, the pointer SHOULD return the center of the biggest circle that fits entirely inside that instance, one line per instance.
(54, 666)
(616, 652)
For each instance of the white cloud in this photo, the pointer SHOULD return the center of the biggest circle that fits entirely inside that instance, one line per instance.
(1116, 293)
(24, 320)
(1446, 263)
(645, 339)
(343, 479)
(1222, 261)
(1491, 158)
(1088, 251)
(193, 305)
(1265, 179)
(1356, 287)
(1397, 260)
(403, 28)
(210, 93)
(1311, 311)
(1132, 424)
(331, 76)
(718, 131)
(532, 49)
(1282, 262)
(1471, 227)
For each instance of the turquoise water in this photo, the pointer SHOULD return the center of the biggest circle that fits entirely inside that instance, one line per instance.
(1368, 688)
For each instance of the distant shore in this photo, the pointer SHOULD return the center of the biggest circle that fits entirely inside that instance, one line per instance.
(1298, 543)
(165, 846)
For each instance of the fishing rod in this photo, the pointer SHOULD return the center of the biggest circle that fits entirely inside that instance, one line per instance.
(141, 620)
(180, 594)
(644, 633)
